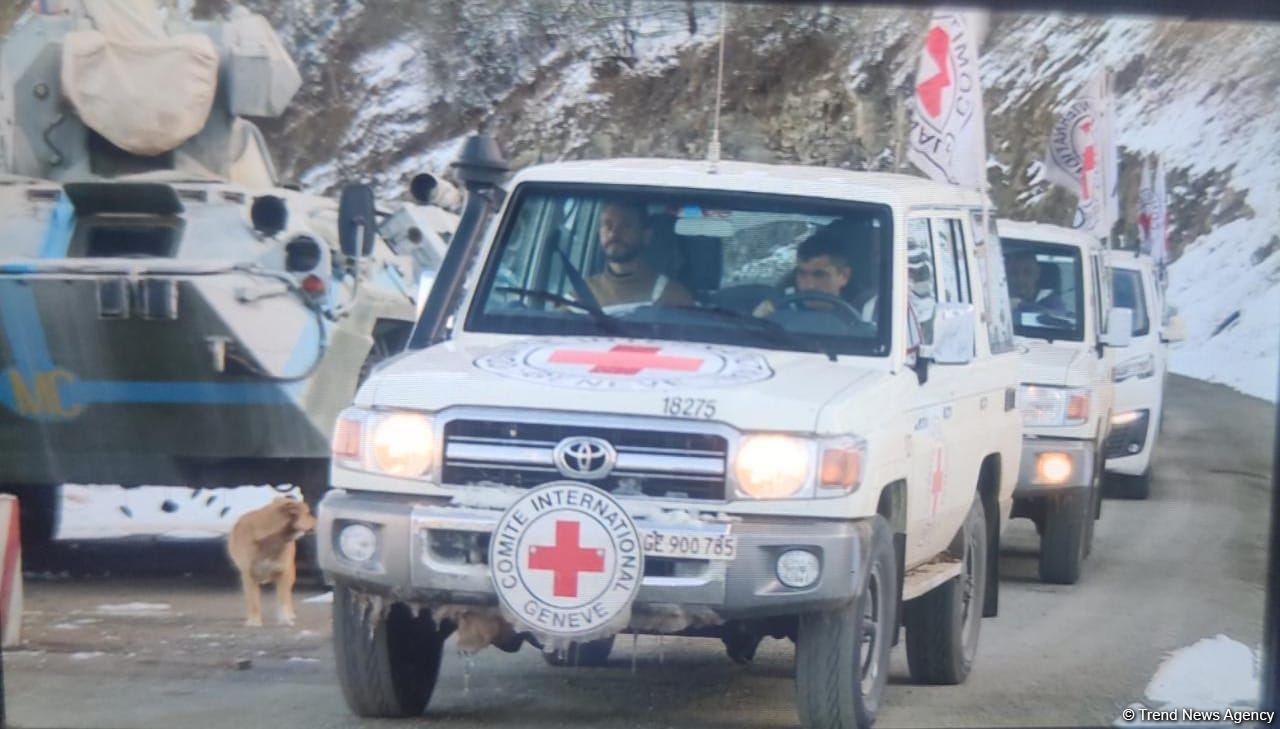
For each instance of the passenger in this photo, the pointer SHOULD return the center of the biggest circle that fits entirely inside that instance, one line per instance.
(1025, 294)
(823, 266)
(627, 278)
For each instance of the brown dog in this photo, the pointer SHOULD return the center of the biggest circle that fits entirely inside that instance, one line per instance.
(262, 546)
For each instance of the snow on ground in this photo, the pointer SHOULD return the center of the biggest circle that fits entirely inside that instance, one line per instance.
(1213, 673)
(135, 608)
(177, 512)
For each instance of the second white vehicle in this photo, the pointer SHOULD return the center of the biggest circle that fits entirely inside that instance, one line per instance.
(1060, 293)
(1139, 375)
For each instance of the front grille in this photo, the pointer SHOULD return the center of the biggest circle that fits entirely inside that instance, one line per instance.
(661, 464)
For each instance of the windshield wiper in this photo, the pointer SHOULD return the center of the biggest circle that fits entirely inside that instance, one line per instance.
(606, 322)
(771, 329)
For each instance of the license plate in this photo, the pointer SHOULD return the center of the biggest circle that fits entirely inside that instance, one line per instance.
(689, 544)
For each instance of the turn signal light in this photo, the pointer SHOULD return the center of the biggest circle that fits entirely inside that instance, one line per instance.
(346, 438)
(1078, 407)
(313, 285)
(841, 468)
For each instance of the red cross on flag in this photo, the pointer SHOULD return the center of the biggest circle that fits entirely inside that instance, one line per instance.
(1083, 159)
(1153, 214)
(947, 139)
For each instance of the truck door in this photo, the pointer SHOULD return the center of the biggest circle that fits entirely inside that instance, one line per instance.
(1103, 386)
(943, 468)
(975, 392)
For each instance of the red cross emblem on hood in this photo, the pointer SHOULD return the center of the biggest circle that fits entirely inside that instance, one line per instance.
(625, 359)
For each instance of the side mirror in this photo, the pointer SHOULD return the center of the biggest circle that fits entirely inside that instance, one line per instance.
(357, 220)
(953, 334)
(1175, 330)
(1119, 327)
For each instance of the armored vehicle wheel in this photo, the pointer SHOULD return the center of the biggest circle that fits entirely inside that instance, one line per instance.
(592, 653)
(842, 655)
(1062, 546)
(387, 667)
(944, 623)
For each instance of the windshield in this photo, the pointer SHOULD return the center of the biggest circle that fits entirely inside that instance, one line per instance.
(767, 271)
(1046, 289)
(1128, 293)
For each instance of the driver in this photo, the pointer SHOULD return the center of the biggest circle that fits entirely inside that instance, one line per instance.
(1025, 296)
(823, 267)
(627, 278)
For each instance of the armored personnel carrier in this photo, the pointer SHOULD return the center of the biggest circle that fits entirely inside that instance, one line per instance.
(170, 311)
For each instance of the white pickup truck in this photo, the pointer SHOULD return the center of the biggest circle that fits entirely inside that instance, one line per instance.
(1139, 376)
(731, 402)
(1060, 292)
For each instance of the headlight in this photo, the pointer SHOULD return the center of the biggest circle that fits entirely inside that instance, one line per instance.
(773, 466)
(1044, 406)
(1140, 367)
(396, 443)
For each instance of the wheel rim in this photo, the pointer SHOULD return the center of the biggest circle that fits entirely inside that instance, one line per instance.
(872, 633)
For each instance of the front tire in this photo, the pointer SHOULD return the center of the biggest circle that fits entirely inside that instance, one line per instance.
(1062, 546)
(387, 667)
(944, 623)
(842, 655)
(593, 654)
(1131, 487)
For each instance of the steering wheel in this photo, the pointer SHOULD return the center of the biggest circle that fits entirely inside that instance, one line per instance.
(627, 308)
(843, 309)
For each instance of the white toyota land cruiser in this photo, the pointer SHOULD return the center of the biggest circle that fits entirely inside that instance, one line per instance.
(686, 400)
(1059, 288)
(1140, 376)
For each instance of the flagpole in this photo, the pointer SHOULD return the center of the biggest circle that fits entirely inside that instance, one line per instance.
(1106, 149)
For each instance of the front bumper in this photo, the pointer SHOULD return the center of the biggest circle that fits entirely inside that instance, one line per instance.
(1126, 446)
(436, 554)
(1081, 454)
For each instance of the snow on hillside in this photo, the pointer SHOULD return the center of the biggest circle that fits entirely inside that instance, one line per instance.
(1231, 305)
(826, 86)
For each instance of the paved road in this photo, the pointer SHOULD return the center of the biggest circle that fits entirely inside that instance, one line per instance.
(1188, 564)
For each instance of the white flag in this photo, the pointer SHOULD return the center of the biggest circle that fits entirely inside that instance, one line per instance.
(948, 138)
(1153, 213)
(1105, 138)
(1083, 158)
(1146, 206)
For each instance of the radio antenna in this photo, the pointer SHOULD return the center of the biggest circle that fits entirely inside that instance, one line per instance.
(713, 150)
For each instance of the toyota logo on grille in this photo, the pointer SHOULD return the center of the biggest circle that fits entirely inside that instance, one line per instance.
(584, 457)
